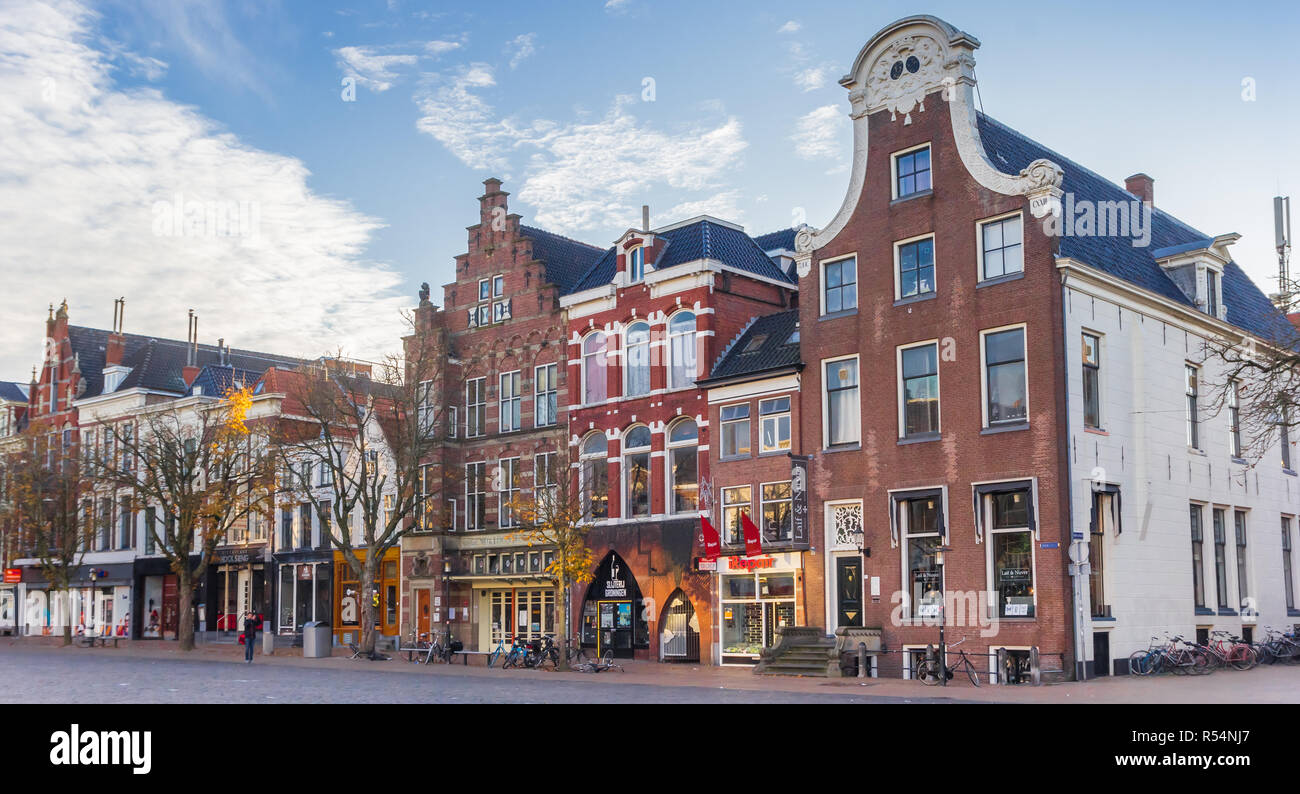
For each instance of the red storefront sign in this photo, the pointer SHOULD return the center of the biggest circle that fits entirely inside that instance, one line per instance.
(751, 563)
(13, 575)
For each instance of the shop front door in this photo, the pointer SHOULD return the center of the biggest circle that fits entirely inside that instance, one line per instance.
(614, 628)
(170, 606)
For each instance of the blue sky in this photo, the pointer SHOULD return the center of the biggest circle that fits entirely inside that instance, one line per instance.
(116, 106)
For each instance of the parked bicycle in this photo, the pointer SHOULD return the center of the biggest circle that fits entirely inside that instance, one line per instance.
(605, 662)
(930, 670)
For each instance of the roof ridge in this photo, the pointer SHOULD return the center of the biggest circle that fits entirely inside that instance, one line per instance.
(733, 342)
(526, 228)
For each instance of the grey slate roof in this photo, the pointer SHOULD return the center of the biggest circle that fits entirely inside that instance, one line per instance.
(764, 346)
(157, 363)
(1248, 307)
(699, 240)
(566, 260)
(778, 240)
(13, 392)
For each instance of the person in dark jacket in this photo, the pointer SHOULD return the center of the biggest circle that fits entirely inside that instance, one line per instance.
(250, 634)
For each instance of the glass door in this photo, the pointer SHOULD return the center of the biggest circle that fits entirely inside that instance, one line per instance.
(615, 627)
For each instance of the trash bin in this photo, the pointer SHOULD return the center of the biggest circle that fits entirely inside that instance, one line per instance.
(316, 639)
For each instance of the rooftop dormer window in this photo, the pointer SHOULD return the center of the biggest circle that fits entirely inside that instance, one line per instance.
(1212, 292)
(636, 264)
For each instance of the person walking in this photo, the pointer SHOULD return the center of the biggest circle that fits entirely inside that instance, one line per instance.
(250, 634)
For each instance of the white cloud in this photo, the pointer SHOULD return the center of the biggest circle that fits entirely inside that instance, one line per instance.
(89, 160)
(817, 134)
(724, 205)
(521, 47)
(371, 69)
(811, 79)
(790, 27)
(376, 67)
(579, 175)
(616, 5)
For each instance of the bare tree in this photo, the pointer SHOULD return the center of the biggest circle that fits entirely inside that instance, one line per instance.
(353, 442)
(557, 515)
(203, 470)
(43, 500)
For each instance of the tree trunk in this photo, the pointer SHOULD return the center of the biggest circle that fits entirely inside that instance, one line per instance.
(185, 605)
(369, 612)
(67, 619)
(568, 629)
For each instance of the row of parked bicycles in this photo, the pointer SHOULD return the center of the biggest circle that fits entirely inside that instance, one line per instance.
(1222, 650)
(518, 653)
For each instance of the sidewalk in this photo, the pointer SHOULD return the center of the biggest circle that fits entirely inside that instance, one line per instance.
(1275, 684)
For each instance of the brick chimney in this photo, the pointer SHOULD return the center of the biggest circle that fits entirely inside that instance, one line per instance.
(492, 199)
(191, 369)
(1142, 186)
(116, 343)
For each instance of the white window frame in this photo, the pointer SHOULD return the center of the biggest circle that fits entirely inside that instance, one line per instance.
(453, 421)
(1101, 382)
(633, 276)
(989, 531)
(1192, 424)
(1234, 418)
(586, 458)
(472, 497)
(984, 375)
(747, 507)
(908, 614)
(722, 436)
(583, 355)
(694, 342)
(511, 405)
(775, 418)
(544, 464)
(821, 292)
(552, 392)
(470, 406)
(902, 396)
(979, 246)
(626, 472)
(627, 358)
(762, 519)
(498, 285)
(898, 274)
(826, 420)
(893, 169)
(425, 408)
(670, 495)
(509, 471)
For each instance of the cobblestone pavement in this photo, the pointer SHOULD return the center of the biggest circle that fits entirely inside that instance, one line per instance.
(39, 670)
(48, 675)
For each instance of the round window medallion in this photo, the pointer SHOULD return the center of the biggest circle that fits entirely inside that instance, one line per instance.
(913, 64)
(896, 70)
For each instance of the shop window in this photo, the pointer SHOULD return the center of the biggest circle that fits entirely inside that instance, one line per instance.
(595, 474)
(1011, 553)
(683, 466)
(735, 430)
(736, 501)
(777, 518)
(774, 435)
(636, 467)
(922, 533)
(754, 608)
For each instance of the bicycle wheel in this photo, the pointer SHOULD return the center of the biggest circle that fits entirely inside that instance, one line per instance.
(1242, 657)
(928, 672)
(1139, 663)
(970, 672)
(492, 657)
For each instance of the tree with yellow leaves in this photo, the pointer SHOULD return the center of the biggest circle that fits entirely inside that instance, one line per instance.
(198, 471)
(556, 515)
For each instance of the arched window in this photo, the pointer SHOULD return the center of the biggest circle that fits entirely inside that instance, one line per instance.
(681, 350)
(637, 361)
(636, 264)
(636, 468)
(594, 381)
(595, 474)
(684, 467)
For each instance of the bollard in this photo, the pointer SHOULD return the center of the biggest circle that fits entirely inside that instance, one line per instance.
(862, 660)
(1035, 673)
(1002, 666)
(268, 643)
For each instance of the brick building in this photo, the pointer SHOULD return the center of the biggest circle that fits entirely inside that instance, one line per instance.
(497, 399)
(644, 323)
(934, 407)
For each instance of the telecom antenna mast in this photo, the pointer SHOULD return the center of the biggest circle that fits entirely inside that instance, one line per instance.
(1282, 236)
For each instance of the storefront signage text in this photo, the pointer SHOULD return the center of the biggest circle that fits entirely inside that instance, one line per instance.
(752, 563)
(13, 575)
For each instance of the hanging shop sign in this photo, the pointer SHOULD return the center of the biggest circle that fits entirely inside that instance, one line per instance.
(799, 533)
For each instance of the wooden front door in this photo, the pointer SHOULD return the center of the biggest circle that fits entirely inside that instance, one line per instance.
(422, 612)
(170, 606)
